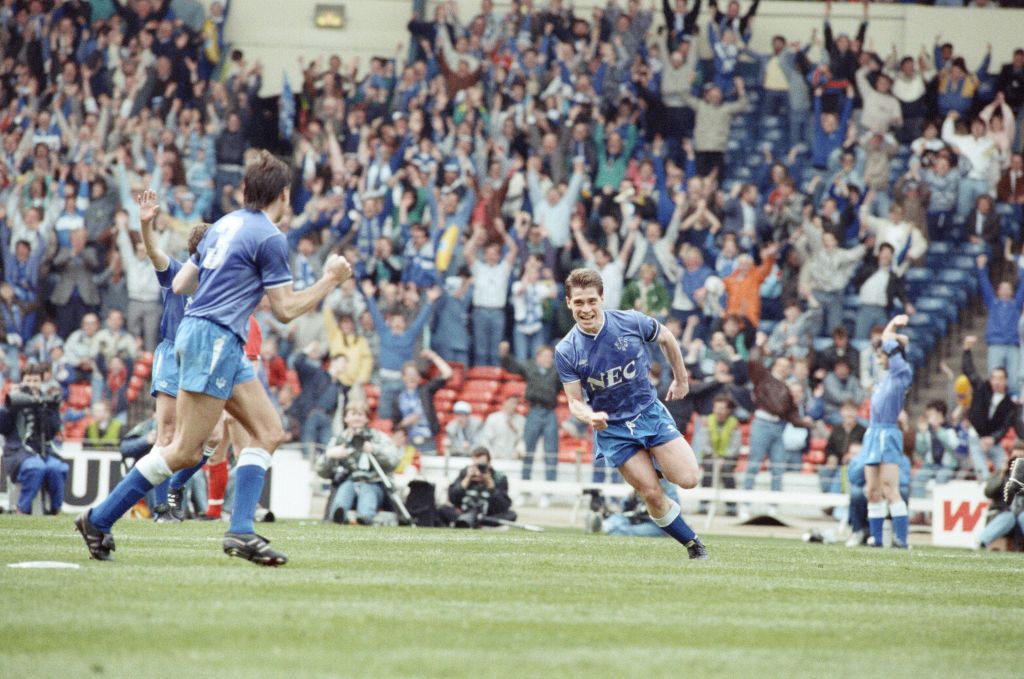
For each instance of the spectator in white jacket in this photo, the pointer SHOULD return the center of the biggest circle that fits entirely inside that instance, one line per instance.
(881, 112)
(502, 432)
(551, 209)
(978, 148)
(144, 303)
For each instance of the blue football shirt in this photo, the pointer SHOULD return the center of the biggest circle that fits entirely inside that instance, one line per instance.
(613, 365)
(174, 305)
(242, 255)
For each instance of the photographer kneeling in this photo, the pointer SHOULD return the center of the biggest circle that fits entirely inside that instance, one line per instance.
(479, 495)
(347, 463)
(29, 422)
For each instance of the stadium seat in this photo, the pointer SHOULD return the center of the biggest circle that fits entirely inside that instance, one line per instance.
(79, 396)
(485, 372)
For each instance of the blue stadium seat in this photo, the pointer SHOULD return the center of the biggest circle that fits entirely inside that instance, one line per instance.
(822, 343)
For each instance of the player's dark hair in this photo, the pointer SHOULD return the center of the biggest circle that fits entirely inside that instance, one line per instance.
(583, 279)
(196, 237)
(265, 178)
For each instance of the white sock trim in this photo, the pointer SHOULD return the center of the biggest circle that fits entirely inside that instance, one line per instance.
(254, 456)
(877, 510)
(898, 509)
(153, 467)
(672, 515)
(215, 502)
(208, 452)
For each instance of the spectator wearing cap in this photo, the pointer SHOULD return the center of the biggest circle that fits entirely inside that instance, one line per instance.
(712, 118)
(462, 432)
(492, 277)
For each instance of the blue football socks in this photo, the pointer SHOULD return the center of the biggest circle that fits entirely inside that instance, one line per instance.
(182, 476)
(149, 471)
(673, 524)
(249, 475)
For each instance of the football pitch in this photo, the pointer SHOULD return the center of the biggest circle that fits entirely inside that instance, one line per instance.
(402, 602)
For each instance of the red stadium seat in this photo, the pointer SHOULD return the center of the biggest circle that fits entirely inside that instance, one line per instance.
(485, 372)
(446, 394)
(385, 426)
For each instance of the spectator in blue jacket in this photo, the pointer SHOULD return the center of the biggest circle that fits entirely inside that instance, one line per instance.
(1004, 307)
(397, 344)
(829, 128)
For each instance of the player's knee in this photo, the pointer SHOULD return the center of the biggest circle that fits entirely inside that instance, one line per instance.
(689, 478)
(270, 438)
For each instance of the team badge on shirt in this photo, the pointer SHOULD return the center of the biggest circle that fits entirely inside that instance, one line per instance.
(621, 344)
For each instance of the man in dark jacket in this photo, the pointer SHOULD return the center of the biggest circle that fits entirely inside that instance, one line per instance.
(478, 496)
(542, 389)
(774, 408)
(29, 422)
(878, 287)
(991, 415)
(848, 431)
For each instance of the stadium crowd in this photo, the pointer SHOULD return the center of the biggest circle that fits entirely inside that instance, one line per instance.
(770, 208)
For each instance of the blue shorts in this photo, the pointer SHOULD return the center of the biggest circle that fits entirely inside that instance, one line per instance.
(165, 370)
(211, 358)
(624, 439)
(883, 444)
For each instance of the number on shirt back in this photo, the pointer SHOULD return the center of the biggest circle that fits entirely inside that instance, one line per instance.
(225, 232)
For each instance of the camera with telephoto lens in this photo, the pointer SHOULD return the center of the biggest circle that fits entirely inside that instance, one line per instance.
(27, 398)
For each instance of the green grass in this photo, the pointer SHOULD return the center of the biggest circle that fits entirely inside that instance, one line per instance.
(359, 602)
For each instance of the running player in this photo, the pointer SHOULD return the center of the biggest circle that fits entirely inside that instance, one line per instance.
(883, 440)
(605, 357)
(243, 256)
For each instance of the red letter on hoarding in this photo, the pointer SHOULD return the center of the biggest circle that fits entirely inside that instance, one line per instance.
(963, 513)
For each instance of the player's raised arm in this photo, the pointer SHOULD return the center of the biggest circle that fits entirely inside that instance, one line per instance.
(149, 210)
(680, 386)
(186, 281)
(287, 304)
(581, 409)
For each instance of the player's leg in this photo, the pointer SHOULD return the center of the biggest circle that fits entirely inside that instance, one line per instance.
(877, 508)
(889, 478)
(217, 471)
(201, 411)
(166, 406)
(639, 472)
(251, 407)
(176, 487)
(678, 462)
